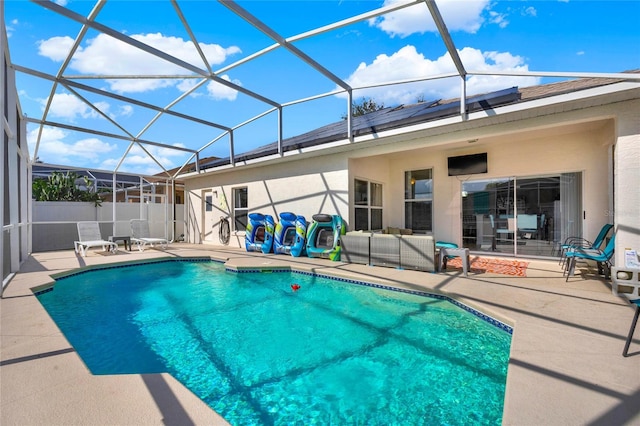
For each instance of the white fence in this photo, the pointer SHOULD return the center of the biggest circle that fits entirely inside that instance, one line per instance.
(54, 222)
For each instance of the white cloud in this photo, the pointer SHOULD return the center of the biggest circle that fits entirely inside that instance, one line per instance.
(55, 48)
(458, 15)
(221, 92)
(215, 90)
(499, 19)
(69, 106)
(186, 85)
(139, 85)
(407, 64)
(137, 161)
(11, 27)
(96, 55)
(94, 153)
(54, 149)
(531, 11)
(580, 53)
(125, 111)
(158, 151)
(72, 108)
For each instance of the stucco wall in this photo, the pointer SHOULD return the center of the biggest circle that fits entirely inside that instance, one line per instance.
(305, 187)
(585, 151)
(551, 141)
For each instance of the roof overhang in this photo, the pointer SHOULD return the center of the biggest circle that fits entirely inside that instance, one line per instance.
(456, 128)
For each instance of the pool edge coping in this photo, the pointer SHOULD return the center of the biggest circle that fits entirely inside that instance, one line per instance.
(479, 312)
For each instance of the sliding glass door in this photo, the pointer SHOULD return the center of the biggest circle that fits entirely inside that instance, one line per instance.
(521, 215)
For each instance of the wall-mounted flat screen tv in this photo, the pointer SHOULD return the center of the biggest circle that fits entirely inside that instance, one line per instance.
(468, 164)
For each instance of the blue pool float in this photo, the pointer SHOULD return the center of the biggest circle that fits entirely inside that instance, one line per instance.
(259, 233)
(290, 234)
(323, 236)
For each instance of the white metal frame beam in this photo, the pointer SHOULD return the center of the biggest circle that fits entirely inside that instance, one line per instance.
(206, 74)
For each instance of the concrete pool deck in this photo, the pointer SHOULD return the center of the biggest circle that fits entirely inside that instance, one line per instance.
(566, 365)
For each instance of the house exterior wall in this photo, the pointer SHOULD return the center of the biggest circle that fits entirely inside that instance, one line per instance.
(305, 187)
(585, 151)
(594, 137)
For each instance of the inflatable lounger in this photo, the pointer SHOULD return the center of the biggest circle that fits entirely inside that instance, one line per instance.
(323, 236)
(259, 233)
(290, 235)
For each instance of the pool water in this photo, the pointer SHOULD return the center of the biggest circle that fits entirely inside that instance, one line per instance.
(258, 352)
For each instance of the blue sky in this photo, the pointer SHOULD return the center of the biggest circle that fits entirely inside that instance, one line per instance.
(555, 36)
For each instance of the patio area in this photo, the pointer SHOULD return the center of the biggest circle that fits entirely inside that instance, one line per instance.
(566, 363)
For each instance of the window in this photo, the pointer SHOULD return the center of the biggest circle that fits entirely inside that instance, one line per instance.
(418, 200)
(368, 205)
(208, 203)
(240, 209)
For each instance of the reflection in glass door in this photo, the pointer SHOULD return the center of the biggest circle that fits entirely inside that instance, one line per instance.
(521, 215)
(486, 207)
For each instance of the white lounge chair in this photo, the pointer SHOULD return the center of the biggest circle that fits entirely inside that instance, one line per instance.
(89, 236)
(140, 235)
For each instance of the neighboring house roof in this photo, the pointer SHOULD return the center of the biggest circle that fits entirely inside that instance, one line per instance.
(404, 115)
(105, 179)
(44, 170)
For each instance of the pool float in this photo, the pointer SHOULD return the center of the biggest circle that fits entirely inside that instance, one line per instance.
(259, 233)
(290, 234)
(323, 236)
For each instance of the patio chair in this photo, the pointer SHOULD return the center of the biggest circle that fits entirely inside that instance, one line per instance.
(89, 236)
(141, 236)
(579, 242)
(601, 257)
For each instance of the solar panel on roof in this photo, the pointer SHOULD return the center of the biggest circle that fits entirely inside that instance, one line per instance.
(384, 119)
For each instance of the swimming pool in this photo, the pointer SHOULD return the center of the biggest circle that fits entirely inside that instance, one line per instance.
(259, 352)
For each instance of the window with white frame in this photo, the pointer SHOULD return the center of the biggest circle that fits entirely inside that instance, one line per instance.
(240, 209)
(368, 205)
(418, 200)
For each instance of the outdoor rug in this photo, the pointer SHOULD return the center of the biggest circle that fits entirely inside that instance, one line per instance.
(481, 265)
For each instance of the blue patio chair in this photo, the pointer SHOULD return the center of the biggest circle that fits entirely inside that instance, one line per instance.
(579, 242)
(601, 257)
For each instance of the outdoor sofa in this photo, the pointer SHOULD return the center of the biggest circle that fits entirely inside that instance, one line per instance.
(395, 250)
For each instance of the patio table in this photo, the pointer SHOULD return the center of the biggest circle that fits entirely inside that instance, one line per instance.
(125, 239)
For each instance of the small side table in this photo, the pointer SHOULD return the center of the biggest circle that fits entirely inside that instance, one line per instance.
(462, 253)
(125, 240)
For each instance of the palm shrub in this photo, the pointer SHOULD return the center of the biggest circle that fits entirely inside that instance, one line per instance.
(63, 187)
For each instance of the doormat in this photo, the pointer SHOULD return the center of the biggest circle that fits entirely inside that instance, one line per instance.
(481, 265)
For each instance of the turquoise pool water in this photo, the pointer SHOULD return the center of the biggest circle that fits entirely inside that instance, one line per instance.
(260, 353)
